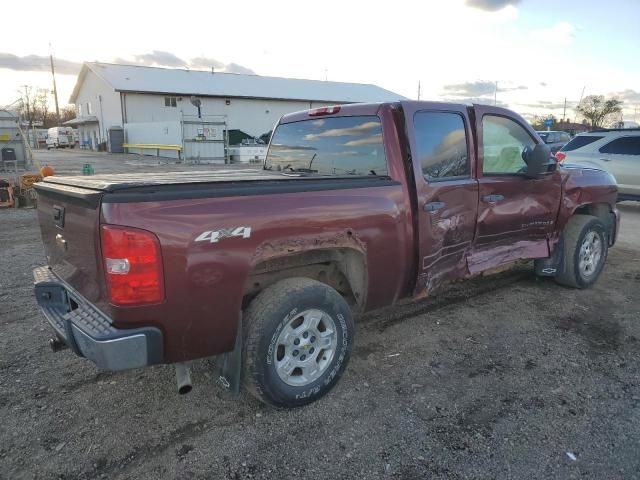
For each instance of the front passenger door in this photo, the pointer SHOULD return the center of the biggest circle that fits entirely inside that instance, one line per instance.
(512, 206)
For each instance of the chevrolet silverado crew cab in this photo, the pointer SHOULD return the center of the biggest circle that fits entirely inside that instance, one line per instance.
(356, 207)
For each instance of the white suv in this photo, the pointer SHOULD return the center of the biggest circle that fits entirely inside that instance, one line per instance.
(615, 150)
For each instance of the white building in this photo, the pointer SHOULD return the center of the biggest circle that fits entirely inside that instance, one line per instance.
(154, 105)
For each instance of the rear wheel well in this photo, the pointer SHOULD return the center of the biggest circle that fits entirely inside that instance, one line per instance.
(343, 269)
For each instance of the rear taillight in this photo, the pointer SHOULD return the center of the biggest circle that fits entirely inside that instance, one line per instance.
(133, 265)
(560, 156)
(318, 112)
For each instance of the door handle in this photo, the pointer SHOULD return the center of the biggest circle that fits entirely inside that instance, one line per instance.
(433, 206)
(494, 198)
(605, 159)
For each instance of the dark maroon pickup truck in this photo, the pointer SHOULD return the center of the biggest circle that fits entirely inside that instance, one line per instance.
(355, 208)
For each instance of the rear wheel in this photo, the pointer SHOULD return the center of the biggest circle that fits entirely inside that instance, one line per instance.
(298, 339)
(585, 251)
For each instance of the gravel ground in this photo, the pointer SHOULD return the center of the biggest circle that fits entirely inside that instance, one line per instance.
(499, 377)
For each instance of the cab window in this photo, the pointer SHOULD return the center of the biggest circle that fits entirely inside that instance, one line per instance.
(503, 141)
(441, 145)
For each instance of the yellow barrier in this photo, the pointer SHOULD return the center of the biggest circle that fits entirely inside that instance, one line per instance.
(154, 146)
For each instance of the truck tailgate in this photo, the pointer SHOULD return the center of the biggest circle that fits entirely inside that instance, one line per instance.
(69, 222)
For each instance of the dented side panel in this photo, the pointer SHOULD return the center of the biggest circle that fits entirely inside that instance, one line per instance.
(585, 186)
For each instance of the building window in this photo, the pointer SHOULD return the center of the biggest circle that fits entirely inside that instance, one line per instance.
(88, 108)
(79, 109)
(170, 102)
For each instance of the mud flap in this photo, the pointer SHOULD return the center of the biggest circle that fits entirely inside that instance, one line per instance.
(230, 366)
(551, 266)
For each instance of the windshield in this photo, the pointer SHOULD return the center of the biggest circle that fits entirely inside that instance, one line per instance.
(328, 146)
(543, 135)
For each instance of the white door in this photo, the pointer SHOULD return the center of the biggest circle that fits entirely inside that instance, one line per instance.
(621, 158)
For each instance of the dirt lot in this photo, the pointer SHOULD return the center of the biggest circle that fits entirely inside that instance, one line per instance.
(502, 377)
(71, 161)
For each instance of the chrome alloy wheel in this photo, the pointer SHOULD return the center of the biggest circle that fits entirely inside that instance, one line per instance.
(590, 254)
(305, 347)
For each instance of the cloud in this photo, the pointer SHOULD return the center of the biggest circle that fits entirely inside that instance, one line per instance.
(628, 96)
(161, 58)
(544, 104)
(38, 63)
(342, 132)
(206, 63)
(491, 5)
(480, 88)
(235, 68)
(562, 33)
(156, 58)
(471, 89)
(372, 140)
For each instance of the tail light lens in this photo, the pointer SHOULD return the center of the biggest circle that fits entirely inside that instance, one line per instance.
(560, 156)
(133, 265)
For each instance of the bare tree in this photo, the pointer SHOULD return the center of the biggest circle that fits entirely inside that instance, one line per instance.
(597, 109)
(41, 104)
(67, 113)
(28, 104)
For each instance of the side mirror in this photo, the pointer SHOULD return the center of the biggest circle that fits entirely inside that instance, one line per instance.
(539, 161)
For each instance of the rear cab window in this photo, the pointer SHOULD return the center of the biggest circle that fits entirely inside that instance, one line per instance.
(333, 146)
(580, 141)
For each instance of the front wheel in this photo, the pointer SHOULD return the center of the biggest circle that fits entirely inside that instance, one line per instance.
(586, 245)
(298, 339)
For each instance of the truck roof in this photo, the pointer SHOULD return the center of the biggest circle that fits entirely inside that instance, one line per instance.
(355, 109)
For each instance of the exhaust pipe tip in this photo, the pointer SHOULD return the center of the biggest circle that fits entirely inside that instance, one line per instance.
(183, 378)
(183, 390)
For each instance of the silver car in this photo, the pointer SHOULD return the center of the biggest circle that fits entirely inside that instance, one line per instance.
(615, 150)
(554, 139)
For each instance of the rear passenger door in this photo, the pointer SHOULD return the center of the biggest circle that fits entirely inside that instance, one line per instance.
(447, 192)
(621, 157)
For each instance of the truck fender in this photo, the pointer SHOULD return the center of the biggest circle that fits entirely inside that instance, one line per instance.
(338, 261)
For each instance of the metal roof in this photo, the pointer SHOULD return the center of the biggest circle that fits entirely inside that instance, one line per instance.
(135, 78)
(82, 120)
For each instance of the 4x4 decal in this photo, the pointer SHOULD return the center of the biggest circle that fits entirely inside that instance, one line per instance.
(214, 236)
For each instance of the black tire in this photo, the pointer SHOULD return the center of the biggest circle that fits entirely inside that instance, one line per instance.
(577, 229)
(280, 306)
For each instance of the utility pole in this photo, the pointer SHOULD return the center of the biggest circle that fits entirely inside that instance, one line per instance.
(564, 111)
(55, 90)
(27, 90)
(495, 95)
(418, 89)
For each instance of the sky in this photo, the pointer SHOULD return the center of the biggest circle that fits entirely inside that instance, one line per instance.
(538, 51)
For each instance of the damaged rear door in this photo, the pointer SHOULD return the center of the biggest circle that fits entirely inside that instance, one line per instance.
(447, 191)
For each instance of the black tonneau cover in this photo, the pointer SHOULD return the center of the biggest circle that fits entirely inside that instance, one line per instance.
(150, 187)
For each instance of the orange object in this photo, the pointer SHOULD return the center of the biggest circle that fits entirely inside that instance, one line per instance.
(47, 171)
